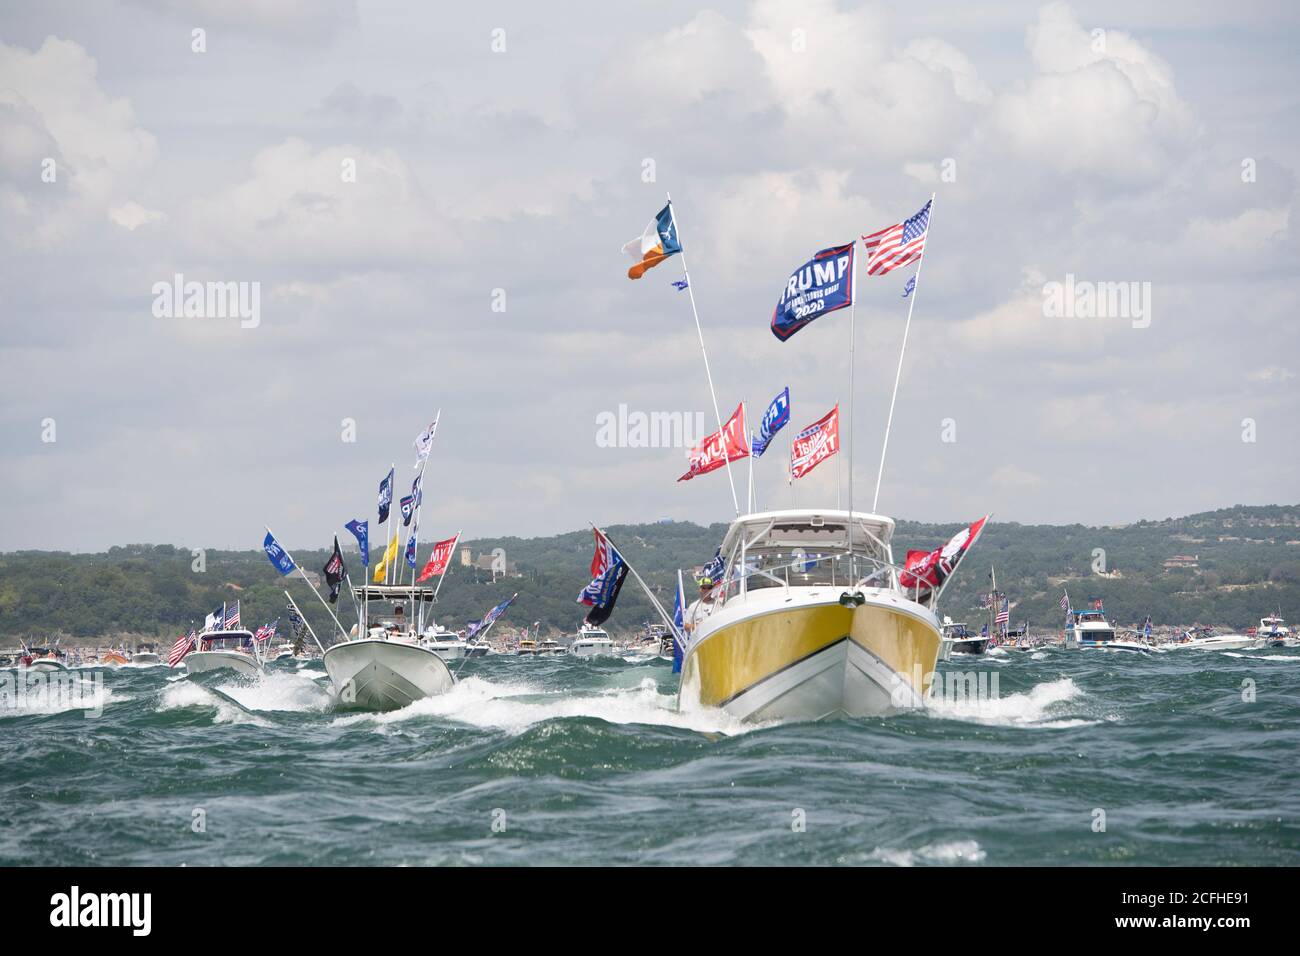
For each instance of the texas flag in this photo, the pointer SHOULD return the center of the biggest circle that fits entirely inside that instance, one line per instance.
(657, 243)
(721, 447)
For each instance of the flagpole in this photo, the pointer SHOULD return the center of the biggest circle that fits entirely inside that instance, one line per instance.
(853, 337)
(298, 568)
(901, 352)
(749, 439)
(717, 414)
(420, 507)
(303, 617)
(672, 625)
(483, 636)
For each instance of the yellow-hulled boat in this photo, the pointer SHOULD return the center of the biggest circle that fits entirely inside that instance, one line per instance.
(809, 621)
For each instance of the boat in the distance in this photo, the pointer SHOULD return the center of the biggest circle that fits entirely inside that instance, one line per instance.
(958, 639)
(146, 654)
(591, 642)
(387, 668)
(43, 659)
(448, 645)
(809, 620)
(225, 650)
(1089, 630)
(1204, 639)
(1272, 632)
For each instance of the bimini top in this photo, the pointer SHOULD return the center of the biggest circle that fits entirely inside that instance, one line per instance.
(807, 528)
(393, 592)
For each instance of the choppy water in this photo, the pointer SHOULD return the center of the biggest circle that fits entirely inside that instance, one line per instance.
(587, 762)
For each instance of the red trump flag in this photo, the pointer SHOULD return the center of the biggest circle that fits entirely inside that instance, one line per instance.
(720, 448)
(440, 559)
(816, 443)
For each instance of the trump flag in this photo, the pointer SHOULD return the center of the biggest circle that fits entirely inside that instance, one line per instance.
(440, 560)
(816, 443)
(720, 448)
(822, 284)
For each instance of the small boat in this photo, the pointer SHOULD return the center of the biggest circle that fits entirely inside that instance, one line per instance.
(592, 642)
(550, 646)
(43, 659)
(448, 645)
(959, 640)
(808, 621)
(1272, 632)
(114, 659)
(527, 648)
(388, 668)
(146, 654)
(1204, 639)
(1090, 630)
(224, 650)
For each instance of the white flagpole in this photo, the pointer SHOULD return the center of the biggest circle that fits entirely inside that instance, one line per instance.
(853, 313)
(423, 464)
(901, 352)
(749, 447)
(303, 617)
(717, 414)
(672, 626)
(298, 568)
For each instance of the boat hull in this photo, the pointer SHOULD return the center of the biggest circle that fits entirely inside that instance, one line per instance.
(592, 650)
(146, 658)
(45, 664)
(207, 662)
(814, 660)
(385, 675)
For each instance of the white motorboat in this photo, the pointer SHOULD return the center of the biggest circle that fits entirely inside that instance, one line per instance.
(388, 668)
(591, 642)
(958, 639)
(225, 650)
(808, 622)
(43, 659)
(1089, 630)
(446, 644)
(146, 654)
(1209, 641)
(1272, 632)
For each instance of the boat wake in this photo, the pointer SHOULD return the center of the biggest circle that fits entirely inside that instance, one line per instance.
(1039, 708)
(942, 854)
(240, 701)
(515, 707)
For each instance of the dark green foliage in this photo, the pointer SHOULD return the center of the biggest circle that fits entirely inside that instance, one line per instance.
(150, 590)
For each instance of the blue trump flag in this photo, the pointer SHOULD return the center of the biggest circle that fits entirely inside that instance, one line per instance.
(679, 626)
(385, 496)
(361, 531)
(775, 418)
(278, 556)
(822, 284)
(410, 548)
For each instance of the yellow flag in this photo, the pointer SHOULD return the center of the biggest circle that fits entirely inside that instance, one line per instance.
(390, 554)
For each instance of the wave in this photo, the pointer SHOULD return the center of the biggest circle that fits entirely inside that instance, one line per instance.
(956, 851)
(514, 707)
(1039, 707)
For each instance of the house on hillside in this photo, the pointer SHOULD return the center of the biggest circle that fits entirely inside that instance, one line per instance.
(1183, 561)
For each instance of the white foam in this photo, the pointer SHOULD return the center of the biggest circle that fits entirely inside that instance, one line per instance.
(498, 706)
(956, 851)
(1014, 710)
(185, 694)
(283, 691)
(40, 702)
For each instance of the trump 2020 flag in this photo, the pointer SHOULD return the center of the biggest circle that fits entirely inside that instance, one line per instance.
(657, 243)
(822, 284)
(361, 531)
(440, 560)
(385, 496)
(335, 571)
(424, 442)
(720, 448)
(679, 625)
(816, 443)
(407, 505)
(410, 548)
(277, 555)
(775, 418)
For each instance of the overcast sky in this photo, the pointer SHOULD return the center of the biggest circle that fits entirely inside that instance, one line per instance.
(1111, 141)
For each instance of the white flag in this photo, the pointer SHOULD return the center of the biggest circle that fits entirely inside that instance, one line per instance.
(423, 442)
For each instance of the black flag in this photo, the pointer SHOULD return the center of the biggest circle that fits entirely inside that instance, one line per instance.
(334, 571)
(599, 615)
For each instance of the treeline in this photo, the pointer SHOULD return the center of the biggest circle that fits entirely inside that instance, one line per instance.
(1244, 569)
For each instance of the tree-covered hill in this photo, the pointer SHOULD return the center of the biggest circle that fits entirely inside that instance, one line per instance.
(1247, 563)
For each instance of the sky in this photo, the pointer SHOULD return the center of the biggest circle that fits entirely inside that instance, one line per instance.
(430, 202)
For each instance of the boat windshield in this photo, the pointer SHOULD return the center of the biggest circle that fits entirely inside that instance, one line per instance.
(1098, 635)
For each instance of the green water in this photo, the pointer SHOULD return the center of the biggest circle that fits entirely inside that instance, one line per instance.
(587, 762)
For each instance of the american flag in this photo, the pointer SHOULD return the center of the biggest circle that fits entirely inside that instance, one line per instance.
(1004, 613)
(264, 633)
(182, 647)
(232, 617)
(1065, 602)
(898, 245)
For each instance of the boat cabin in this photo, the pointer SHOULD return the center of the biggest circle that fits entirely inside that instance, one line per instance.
(237, 641)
